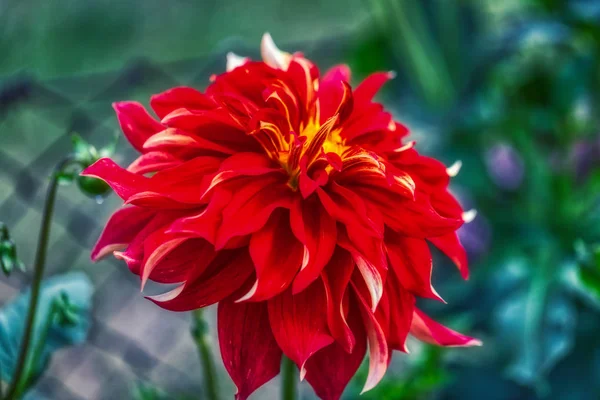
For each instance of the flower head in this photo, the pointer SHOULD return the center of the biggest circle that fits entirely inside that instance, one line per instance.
(295, 202)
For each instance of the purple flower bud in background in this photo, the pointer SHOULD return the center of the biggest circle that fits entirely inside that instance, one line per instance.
(505, 166)
(475, 235)
(583, 157)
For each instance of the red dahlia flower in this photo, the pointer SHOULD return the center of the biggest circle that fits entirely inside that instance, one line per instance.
(294, 202)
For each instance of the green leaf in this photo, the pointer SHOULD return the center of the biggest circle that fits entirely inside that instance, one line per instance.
(78, 289)
(537, 327)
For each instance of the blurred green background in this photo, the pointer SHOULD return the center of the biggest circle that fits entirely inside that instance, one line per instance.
(509, 87)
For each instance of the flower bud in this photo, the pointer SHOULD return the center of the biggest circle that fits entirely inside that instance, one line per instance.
(85, 155)
(8, 252)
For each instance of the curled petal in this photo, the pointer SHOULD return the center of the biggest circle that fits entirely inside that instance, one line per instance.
(134, 254)
(415, 218)
(429, 331)
(242, 164)
(378, 348)
(206, 223)
(349, 208)
(369, 256)
(124, 183)
(303, 76)
(277, 256)
(330, 369)
(336, 277)
(454, 169)
(174, 139)
(234, 61)
(136, 123)
(163, 189)
(156, 247)
(229, 271)
(120, 230)
(450, 245)
(186, 119)
(153, 161)
(337, 73)
(299, 331)
(251, 207)
(411, 260)
(250, 353)
(312, 226)
(271, 54)
(335, 98)
(180, 97)
(173, 260)
(365, 92)
(401, 307)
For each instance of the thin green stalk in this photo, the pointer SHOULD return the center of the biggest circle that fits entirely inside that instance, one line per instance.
(38, 272)
(203, 342)
(288, 380)
(38, 350)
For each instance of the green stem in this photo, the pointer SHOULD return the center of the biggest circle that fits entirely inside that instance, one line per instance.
(38, 272)
(289, 379)
(36, 354)
(203, 342)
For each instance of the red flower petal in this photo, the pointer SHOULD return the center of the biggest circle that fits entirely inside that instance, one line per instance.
(177, 265)
(250, 353)
(206, 223)
(299, 331)
(277, 256)
(193, 119)
(120, 230)
(330, 369)
(450, 245)
(365, 92)
(365, 122)
(168, 188)
(313, 226)
(369, 256)
(152, 162)
(124, 183)
(156, 247)
(411, 260)
(337, 73)
(251, 207)
(172, 139)
(411, 218)
(349, 208)
(203, 287)
(336, 277)
(180, 97)
(402, 304)
(136, 123)
(242, 164)
(378, 348)
(302, 75)
(425, 170)
(134, 253)
(335, 98)
(427, 330)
